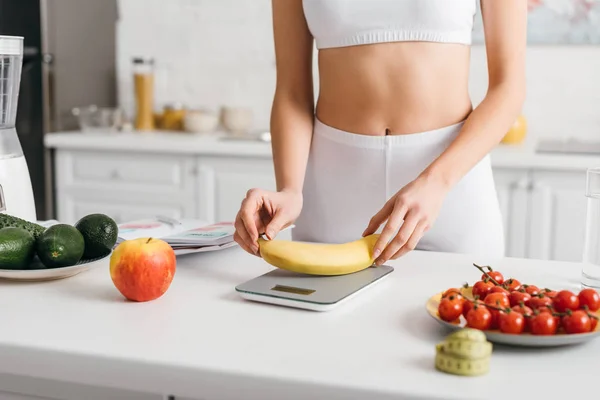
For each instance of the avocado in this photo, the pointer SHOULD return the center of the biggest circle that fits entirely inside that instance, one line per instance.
(17, 248)
(99, 233)
(10, 221)
(60, 245)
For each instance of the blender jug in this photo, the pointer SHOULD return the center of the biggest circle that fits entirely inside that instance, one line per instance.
(16, 193)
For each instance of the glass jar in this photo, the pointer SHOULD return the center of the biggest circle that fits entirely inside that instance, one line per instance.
(172, 117)
(143, 76)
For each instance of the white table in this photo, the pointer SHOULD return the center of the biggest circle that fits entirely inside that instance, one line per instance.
(202, 341)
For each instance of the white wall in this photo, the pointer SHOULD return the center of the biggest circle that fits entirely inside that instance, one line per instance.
(211, 53)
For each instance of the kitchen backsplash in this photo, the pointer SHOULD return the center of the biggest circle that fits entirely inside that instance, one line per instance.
(211, 53)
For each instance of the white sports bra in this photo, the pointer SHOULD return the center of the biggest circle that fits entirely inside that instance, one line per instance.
(340, 23)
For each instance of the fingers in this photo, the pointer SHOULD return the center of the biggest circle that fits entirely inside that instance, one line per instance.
(247, 220)
(242, 237)
(411, 244)
(237, 238)
(379, 218)
(278, 222)
(388, 231)
(403, 235)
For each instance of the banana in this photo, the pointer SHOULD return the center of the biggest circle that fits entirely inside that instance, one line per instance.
(465, 352)
(319, 258)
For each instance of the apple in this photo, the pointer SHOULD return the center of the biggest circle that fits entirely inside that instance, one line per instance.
(142, 269)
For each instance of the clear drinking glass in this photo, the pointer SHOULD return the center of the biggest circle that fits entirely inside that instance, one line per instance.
(590, 274)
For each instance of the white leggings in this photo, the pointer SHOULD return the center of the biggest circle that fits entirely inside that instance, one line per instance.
(350, 176)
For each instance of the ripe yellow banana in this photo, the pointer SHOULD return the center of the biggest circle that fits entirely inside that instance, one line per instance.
(319, 258)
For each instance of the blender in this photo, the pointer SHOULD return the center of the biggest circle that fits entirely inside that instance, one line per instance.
(16, 192)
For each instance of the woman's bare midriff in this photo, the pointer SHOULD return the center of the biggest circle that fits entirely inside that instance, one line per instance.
(405, 87)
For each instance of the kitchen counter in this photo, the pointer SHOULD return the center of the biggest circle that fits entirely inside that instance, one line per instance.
(201, 341)
(523, 156)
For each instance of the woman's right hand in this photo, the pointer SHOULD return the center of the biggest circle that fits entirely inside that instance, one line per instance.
(265, 212)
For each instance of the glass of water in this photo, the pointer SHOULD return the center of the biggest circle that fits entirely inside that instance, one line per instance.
(590, 274)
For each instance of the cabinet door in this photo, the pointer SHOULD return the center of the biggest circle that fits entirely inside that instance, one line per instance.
(513, 195)
(558, 212)
(223, 183)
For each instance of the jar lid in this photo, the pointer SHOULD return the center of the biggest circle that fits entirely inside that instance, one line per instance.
(11, 45)
(143, 60)
(174, 106)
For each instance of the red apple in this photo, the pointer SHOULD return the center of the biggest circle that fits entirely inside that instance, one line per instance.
(142, 269)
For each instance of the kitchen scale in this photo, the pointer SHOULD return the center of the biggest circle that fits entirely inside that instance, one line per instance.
(310, 292)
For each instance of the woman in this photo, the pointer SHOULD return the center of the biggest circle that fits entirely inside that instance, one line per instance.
(394, 145)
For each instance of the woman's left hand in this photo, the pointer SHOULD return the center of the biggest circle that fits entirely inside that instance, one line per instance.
(418, 205)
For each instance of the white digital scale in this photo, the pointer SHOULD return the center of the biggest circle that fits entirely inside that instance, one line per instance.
(310, 292)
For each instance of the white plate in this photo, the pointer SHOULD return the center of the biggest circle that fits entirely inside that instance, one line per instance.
(41, 273)
(523, 340)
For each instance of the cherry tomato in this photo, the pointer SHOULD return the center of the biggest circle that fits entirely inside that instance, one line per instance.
(531, 289)
(482, 288)
(589, 298)
(468, 305)
(523, 310)
(495, 275)
(593, 321)
(542, 324)
(549, 310)
(577, 322)
(566, 300)
(499, 300)
(499, 289)
(549, 293)
(511, 322)
(538, 301)
(512, 284)
(450, 308)
(516, 297)
(450, 291)
(480, 318)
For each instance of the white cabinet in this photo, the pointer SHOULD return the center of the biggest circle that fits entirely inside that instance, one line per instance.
(543, 210)
(512, 186)
(224, 182)
(558, 212)
(124, 185)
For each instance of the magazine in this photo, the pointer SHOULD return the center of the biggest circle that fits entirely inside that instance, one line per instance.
(184, 236)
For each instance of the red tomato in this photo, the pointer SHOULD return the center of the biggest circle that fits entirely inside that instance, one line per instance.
(511, 322)
(531, 289)
(549, 310)
(495, 275)
(516, 297)
(498, 300)
(566, 300)
(593, 321)
(512, 284)
(589, 298)
(523, 309)
(499, 289)
(450, 308)
(482, 288)
(550, 293)
(480, 318)
(538, 301)
(577, 322)
(450, 291)
(468, 305)
(543, 324)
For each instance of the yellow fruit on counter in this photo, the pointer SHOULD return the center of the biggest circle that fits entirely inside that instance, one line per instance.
(517, 132)
(319, 258)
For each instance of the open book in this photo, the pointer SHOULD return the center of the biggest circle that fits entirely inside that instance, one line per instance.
(184, 236)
